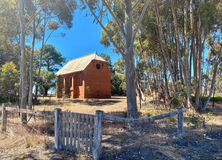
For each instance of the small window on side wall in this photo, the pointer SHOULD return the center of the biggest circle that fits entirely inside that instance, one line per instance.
(80, 80)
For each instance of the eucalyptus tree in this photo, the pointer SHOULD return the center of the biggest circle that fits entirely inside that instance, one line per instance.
(128, 25)
(62, 10)
(176, 32)
(55, 13)
(9, 32)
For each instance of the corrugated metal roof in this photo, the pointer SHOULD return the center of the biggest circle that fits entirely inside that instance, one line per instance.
(79, 64)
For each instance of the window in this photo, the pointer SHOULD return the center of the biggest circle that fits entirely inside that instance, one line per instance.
(98, 66)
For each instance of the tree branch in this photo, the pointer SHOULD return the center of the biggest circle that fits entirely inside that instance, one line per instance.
(120, 51)
(35, 15)
(139, 21)
(136, 5)
(49, 35)
(115, 19)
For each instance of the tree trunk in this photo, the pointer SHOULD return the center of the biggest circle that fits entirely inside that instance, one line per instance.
(187, 65)
(162, 49)
(23, 63)
(192, 42)
(182, 67)
(213, 80)
(148, 81)
(132, 111)
(46, 91)
(213, 96)
(40, 62)
(198, 60)
(167, 94)
(31, 63)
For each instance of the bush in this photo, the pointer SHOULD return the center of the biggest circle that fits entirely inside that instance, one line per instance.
(4, 99)
(148, 114)
(193, 119)
(216, 99)
(125, 114)
(209, 116)
(172, 120)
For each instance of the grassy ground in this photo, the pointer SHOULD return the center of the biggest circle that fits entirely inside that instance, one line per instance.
(36, 141)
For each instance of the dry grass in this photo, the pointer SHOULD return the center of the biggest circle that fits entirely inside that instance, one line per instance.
(37, 139)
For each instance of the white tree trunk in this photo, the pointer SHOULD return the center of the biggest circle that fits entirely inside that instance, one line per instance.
(213, 80)
(23, 63)
(40, 62)
(31, 63)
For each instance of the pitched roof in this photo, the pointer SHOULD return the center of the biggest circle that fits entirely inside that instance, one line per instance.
(79, 64)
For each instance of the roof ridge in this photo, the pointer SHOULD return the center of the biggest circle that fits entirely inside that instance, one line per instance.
(83, 56)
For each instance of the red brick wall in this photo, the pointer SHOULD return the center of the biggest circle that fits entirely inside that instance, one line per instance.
(97, 80)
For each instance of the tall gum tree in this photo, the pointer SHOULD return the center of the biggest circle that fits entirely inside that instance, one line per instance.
(128, 30)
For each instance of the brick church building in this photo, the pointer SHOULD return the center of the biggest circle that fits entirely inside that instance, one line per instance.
(87, 76)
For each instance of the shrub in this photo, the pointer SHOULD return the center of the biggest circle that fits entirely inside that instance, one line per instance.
(125, 114)
(172, 120)
(193, 119)
(139, 114)
(148, 114)
(60, 85)
(209, 116)
(216, 99)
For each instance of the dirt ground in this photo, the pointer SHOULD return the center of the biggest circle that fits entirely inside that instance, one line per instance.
(155, 140)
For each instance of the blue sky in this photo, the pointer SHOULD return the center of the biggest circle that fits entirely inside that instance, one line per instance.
(82, 38)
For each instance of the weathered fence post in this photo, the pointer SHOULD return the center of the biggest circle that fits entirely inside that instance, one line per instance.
(97, 134)
(180, 129)
(58, 128)
(4, 116)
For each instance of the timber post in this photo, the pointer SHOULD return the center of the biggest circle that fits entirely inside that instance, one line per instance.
(97, 134)
(180, 129)
(4, 116)
(58, 128)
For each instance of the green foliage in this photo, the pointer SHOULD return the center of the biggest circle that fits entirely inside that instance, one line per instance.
(175, 102)
(151, 113)
(193, 119)
(60, 85)
(209, 117)
(179, 96)
(173, 119)
(67, 89)
(125, 114)
(139, 114)
(4, 99)
(169, 127)
(124, 139)
(9, 77)
(47, 81)
(118, 84)
(148, 114)
(212, 99)
(119, 66)
(216, 99)
(88, 90)
(42, 101)
(108, 60)
(51, 58)
(28, 144)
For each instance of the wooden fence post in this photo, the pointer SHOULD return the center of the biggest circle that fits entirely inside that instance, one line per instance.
(58, 128)
(180, 129)
(4, 116)
(97, 134)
